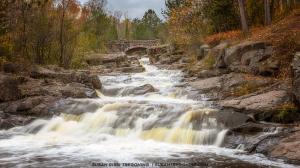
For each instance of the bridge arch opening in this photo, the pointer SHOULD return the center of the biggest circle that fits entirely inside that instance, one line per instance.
(136, 50)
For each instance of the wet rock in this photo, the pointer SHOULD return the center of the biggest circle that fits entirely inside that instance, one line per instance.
(133, 69)
(77, 90)
(10, 121)
(296, 76)
(225, 118)
(288, 147)
(95, 81)
(256, 137)
(31, 106)
(29, 103)
(141, 90)
(9, 88)
(263, 106)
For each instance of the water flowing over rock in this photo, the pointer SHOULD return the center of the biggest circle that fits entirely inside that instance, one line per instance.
(141, 90)
(136, 114)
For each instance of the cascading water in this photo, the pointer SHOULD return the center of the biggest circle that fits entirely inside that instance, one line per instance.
(161, 126)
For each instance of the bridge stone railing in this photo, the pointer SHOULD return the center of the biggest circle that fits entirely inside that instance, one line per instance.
(122, 45)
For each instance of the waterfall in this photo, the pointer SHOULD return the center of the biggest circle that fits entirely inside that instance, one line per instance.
(164, 116)
(164, 125)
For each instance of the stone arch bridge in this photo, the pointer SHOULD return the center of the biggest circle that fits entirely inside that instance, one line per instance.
(131, 46)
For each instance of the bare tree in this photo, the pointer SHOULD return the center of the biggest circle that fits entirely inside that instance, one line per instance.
(244, 23)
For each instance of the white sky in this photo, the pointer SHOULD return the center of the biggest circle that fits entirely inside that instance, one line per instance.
(135, 8)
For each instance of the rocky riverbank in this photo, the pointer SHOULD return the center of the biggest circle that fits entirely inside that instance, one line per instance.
(261, 111)
(240, 78)
(37, 92)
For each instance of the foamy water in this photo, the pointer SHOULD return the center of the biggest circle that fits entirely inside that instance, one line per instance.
(161, 126)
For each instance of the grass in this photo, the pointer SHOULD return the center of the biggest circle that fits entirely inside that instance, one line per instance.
(286, 110)
(244, 89)
(208, 62)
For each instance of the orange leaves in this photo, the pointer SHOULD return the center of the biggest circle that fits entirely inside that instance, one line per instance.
(230, 35)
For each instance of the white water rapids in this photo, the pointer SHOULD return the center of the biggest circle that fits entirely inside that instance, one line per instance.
(162, 126)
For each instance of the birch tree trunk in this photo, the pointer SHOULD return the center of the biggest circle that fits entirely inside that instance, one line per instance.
(244, 23)
(267, 12)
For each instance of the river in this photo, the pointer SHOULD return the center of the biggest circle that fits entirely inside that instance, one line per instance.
(165, 128)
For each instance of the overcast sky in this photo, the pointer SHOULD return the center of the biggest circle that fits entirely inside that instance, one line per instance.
(135, 8)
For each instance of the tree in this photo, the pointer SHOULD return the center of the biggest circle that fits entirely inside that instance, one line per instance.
(267, 12)
(221, 14)
(148, 27)
(244, 23)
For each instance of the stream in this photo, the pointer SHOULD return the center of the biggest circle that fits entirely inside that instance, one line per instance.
(164, 128)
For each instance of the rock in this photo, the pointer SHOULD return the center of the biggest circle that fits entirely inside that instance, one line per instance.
(206, 85)
(234, 54)
(169, 59)
(133, 69)
(29, 103)
(296, 76)
(10, 121)
(228, 118)
(9, 67)
(256, 137)
(141, 90)
(29, 106)
(218, 53)
(67, 76)
(77, 90)
(103, 59)
(95, 81)
(263, 106)
(155, 52)
(251, 57)
(288, 148)
(9, 88)
(203, 51)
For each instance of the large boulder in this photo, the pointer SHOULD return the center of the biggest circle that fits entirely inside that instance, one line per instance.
(9, 88)
(262, 102)
(67, 76)
(77, 90)
(288, 148)
(253, 57)
(33, 106)
(229, 85)
(235, 53)
(257, 137)
(296, 76)
(268, 106)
